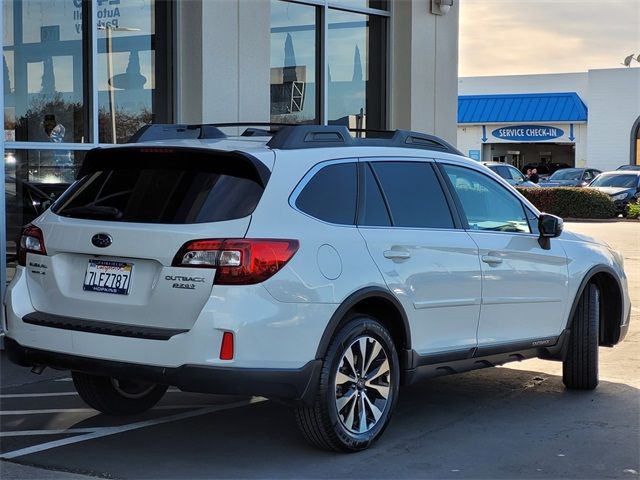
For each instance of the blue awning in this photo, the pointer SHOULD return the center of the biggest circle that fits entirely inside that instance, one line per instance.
(526, 107)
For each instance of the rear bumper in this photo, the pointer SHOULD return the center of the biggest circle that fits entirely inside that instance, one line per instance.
(291, 384)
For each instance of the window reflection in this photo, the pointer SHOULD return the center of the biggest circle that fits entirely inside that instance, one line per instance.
(355, 53)
(42, 69)
(126, 68)
(293, 63)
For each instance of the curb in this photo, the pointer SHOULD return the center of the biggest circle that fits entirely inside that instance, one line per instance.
(601, 220)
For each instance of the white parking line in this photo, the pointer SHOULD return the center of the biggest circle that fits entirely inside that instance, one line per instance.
(34, 395)
(28, 433)
(57, 394)
(86, 410)
(125, 428)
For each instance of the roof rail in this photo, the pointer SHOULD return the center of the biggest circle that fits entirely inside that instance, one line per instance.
(285, 136)
(322, 136)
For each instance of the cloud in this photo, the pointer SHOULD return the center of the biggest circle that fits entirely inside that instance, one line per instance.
(511, 37)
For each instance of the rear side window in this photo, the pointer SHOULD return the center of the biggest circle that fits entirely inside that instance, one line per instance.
(414, 194)
(331, 194)
(161, 195)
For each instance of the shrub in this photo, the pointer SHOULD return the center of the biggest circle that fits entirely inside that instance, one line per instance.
(633, 210)
(571, 202)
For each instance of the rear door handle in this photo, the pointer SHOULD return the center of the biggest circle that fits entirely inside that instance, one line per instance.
(491, 260)
(397, 254)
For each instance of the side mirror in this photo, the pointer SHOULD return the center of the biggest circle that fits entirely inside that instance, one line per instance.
(550, 227)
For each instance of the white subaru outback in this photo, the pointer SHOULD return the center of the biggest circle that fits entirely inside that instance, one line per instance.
(308, 266)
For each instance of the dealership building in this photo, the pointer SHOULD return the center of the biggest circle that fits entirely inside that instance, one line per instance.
(589, 119)
(79, 74)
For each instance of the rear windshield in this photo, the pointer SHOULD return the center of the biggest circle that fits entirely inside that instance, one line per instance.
(166, 194)
(615, 180)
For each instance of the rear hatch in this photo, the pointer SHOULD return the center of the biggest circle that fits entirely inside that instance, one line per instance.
(111, 239)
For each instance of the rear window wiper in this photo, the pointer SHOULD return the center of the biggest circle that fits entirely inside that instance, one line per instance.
(93, 211)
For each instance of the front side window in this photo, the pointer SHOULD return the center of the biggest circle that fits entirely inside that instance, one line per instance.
(515, 174)
(413, 194)
(331, 194)
(486, 204)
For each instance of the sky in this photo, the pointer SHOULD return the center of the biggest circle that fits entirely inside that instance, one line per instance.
(514, 37)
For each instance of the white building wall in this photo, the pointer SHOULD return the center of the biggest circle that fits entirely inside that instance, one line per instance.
(424, 68)
(614, 106)
(556, 82)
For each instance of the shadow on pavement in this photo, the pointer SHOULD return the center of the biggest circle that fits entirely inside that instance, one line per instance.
(496, 423)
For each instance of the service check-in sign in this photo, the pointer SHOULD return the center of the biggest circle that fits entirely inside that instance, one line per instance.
(527, 133)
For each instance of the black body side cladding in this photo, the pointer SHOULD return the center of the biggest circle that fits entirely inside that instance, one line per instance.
(460, 361)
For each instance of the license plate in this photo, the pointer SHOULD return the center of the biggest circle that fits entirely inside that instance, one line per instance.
(108, 277)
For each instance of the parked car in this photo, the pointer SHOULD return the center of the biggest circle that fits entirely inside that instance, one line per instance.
(510, 173)
(571, 177)
(629, 167)
(26, 200)
(622, 186)
(544, 169)
(312, 267)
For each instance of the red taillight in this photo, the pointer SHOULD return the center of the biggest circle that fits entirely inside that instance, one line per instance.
(31, 241)
(226, 348)
(237, 261)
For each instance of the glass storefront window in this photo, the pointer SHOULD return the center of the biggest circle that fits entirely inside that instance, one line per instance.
(356, 64)
(293, 63)
(126, 68)
(43, 71)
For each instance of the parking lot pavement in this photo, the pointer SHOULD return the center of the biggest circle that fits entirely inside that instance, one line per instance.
(509, 422)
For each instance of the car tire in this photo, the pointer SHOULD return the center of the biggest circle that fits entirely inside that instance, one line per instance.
(357, 393)
(117, 397)
(580, 367)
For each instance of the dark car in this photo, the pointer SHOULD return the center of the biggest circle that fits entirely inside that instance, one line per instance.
(629, 167)
(622, 186)
(510, 173)
(571, 177)
(27, 200)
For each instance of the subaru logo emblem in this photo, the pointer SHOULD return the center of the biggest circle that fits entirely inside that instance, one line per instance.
(102, 240)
